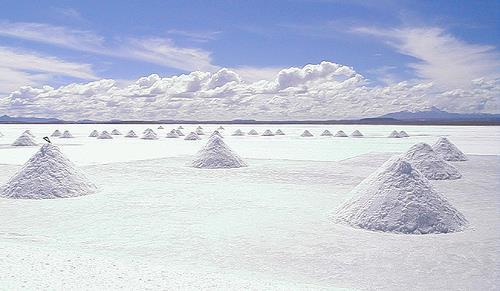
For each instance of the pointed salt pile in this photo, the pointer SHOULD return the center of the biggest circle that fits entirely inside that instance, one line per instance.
(253, 132)
(47, 175)
(131, 133)
(199, 127)
(217, 133)
(432, 166)
(150, 135)
(448, 151)
(394, 134)
(238, 132)
(398, 198)
(192, 136)
(66, 134)
(56, 133)
(326, 133)
(24, 140)
(94, 133)
(180, 127)
(172, 134)
(199, 131)
(267, 133)
(115, 132)
(403, 133)
(28, 132)
(105, 135)
(340, 133)
(160, 127)
(216, 154)
(147, 130)
(220, 128)
(279, 132)
(179, 132)
(306, 133)
(356, 133)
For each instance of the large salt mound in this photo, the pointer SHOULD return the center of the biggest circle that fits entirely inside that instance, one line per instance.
(172, 134)
(24, 140)
(94, 133)
(398, 198)
(403, 133)
(199, 131)
(432, 166)
(448, 151)
(66, 134)
(192, 136)
(216, 154)
(356, 133)
(115, 132)
(394, 134)
(340, 133)
(131, 133)
(150, 135)
(253, 132)
(306, 133)
(326, 133)
(238, 132)
(279, 132)
(267, 133)
(179, 132)
(48, 174)
(105, 135)
(56, 133)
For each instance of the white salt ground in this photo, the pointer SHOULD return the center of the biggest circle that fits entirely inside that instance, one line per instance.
(448, 151)
(216, 154)
(432, 166)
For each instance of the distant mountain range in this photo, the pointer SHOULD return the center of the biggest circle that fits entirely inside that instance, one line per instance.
(429, 116)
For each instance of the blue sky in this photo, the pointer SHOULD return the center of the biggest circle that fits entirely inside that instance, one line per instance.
(447, 44)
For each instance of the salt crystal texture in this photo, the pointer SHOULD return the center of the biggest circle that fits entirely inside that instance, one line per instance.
(56, 133)
(356, 133)
(131, 133)
(326, 133)
(94, 133)
(340, 133)
(192, 136)
(398, 198)
(216, 154)
(306, 133)
(48, 174)
(432, 166)
(267, 133)
(24, 140)
(448, 151)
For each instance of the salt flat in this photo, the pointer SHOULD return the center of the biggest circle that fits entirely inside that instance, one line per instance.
(156, 223)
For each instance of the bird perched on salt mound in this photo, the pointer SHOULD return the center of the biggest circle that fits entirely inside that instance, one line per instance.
(340, 133)
(306, 133)
(398, 198)
(267, 133)
(172, 134)
(279, 132)
(448, 151)
(403, 133)
(47, 175)
(356, 133)
(216, 154)
(326, 133)
(150, 135)
(253, 132)
(394, 134)
(24, 140)
(115, 132)
(192, 136)
(432, 166)
(66, 134)
(238, 132)
(94, 133)
(104, 135)
(56, 133)
(131, 133)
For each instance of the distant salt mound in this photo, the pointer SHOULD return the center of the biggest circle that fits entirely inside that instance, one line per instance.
(279, 132)
(238, 132)
(394, 134)
(216, 154)
(105, 135)
(448, 151)
(94, 133)
(217, 133)
(403, 133)
(47, 175)
(147, 130)
(28, 132)
(432, 166)
(179, 132)
(220, 128)
(115, 132)
(131, 133)
(180, 127)
(356, 133)
(149, 135)
(24, 140)
(398, 198)
(199, 127)
(160, 127)
(253, 132)
(66, 134)
(56, 133)
(192, 136)
(172, 134)
(306, 133)
(267, 133)
(199, 131)
(340, 133)
(326, 133)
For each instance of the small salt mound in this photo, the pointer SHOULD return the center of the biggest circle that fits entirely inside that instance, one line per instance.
(326, 133)
(66, 134)
(131, 133)
(279, 132)
(160, 127)
(220, 128)
(47, 175)
(217, 133)
(267, 133)
(432, 166)
(115, 132)
(356, 133)
(403, 133)
(56, 133)
(180, 127)
(94, 133)
(306, 133)
(199, 131)
(24, 140)
(253, 132)
(179, 132)
(192, 136)
(394, 134)
(238, 132)
(147, 130)
(448, 151)
(199, 127)
(398, 198)
(216, 154)
(105, 135)
(149, 135)
(172, 134)
(28, 132)
(340, 133)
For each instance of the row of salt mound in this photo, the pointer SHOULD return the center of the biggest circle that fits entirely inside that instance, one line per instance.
(396, 134)
(56, 133)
